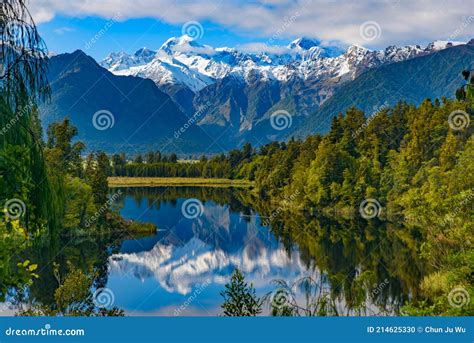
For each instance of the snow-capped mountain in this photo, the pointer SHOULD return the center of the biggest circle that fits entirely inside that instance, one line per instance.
(183, 61)
(121, 60)
(237, 90)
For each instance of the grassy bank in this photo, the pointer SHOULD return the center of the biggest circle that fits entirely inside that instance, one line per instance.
(175, 181)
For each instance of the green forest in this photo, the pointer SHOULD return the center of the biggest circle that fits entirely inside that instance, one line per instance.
(407, 163)
(410, 164)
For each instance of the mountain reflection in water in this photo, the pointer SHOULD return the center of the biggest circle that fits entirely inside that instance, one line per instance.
(158, 274)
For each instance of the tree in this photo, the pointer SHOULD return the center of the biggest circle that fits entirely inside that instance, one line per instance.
(173, 158)
(73, 297)
(23, 54)
(118, 163)
(99, 183)
(23, 82)
(138, 159)
(150, 157)
(63, 155)
(240, 299)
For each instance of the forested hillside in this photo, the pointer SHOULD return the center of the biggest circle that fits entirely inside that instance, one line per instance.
(432, 76)
(412, 164)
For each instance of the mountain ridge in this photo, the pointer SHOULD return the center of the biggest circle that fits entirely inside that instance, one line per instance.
(433, 76)
(138, 116)
(234, 109)
(305, 75)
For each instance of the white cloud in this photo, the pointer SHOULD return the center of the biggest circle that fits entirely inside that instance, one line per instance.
(262, 47)
(207, 50)
(64, 29)
(401, 21)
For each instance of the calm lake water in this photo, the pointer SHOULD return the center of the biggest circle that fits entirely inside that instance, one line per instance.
(366, 267)
(182, 269)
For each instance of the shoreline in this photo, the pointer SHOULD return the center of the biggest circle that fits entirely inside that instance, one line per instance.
(118, 181)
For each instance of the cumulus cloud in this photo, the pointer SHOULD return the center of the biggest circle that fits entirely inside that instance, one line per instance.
(400, 21)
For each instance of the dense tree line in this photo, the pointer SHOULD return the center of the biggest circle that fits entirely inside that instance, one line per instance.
(156, 164)
(414, 163)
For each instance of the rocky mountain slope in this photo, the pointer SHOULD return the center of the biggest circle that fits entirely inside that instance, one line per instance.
(241, 90)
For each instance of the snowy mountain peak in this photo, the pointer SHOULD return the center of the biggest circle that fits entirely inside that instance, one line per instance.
(184, 45)
(183, 40)
(304, 43)
(442, 44)
(145, 53)
(184, 62)
(305, 48)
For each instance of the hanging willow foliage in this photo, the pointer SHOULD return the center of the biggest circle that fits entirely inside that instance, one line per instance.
(23, 55)
(23, 83)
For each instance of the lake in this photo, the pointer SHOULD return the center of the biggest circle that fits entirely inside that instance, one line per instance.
(356, 266)
(182, 269)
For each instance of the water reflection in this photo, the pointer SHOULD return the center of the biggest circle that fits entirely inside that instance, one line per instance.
(363, 267)
(187, 253)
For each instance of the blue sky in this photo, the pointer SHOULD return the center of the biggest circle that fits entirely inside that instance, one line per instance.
(126, 25)
(66, 34)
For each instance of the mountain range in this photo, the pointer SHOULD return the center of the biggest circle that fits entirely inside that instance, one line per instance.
(216, 99)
